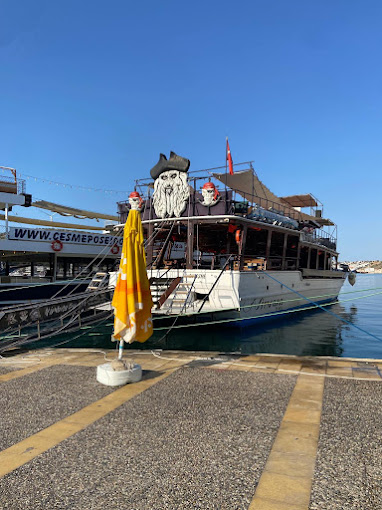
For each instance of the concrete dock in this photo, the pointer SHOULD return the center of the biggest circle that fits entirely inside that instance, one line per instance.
(201, 430)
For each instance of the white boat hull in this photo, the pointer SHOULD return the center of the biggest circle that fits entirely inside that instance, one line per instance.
(247, 294)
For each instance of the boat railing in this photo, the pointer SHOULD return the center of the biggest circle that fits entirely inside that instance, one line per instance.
(267, 204)
(245, 198)
(24, 323)
(9, 182)
(239, 204)
(321, 237)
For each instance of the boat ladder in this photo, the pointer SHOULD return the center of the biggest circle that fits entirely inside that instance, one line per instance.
(183, 296)
(99, 281)
(160, 289)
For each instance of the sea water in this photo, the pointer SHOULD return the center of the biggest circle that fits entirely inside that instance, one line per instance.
(303, 333)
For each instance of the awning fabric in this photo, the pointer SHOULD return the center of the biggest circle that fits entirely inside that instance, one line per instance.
(47, 223)
(72, 211)
(300, 200)
(248, 185)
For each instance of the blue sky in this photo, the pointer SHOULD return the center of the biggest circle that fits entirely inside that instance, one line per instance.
(91, 92)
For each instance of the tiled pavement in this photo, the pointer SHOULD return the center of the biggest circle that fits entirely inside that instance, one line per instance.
(253, 432)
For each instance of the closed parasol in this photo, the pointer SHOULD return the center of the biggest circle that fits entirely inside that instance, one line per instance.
(132, 300)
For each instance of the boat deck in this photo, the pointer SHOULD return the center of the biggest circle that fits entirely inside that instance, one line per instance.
(201, 430)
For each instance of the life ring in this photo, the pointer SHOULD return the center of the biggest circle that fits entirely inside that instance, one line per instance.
(238, 236)
(114, 249)
(57, 245)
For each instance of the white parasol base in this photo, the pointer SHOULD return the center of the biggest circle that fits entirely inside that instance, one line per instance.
(110, 377)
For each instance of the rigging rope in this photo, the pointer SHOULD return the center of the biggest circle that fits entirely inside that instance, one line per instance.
(271, 314)
(268, 303)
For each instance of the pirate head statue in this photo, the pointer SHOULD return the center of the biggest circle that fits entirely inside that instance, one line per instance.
(170, 185)
(210, 194)
(135, 201)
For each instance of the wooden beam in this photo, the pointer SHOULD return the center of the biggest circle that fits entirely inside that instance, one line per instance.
(242, 246)
(283, 261)
(150, 245)
(51, 224)
(190, 244)
(268, 247)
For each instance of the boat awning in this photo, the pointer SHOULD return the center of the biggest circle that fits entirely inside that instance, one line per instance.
(300, 200)
(324, 222)
(249, 186)
(73, 211)
(47, 223)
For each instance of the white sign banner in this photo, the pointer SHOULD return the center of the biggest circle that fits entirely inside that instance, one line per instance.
(65, 236)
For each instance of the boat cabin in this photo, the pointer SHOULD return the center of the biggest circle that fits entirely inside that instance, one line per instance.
(215, 220)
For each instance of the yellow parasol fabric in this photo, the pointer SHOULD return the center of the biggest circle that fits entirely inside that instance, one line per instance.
(132, 300)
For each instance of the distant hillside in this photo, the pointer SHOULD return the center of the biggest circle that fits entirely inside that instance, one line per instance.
(366, 266)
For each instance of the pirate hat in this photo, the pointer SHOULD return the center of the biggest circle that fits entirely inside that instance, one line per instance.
(175, 162)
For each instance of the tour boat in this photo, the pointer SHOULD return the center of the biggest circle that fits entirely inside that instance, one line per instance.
(52, 274)
(42, 259)
(222, 247)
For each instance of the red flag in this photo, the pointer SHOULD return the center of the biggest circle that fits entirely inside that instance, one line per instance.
(229, 159)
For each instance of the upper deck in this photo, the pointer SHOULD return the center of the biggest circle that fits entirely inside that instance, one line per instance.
(218, 205)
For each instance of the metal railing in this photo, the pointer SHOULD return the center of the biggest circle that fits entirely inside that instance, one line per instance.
(9, 183)
(320, 237)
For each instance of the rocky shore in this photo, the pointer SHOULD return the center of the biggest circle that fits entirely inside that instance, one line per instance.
(365, 266)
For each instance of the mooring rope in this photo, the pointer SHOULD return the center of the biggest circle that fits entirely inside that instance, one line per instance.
(272, 314)
(322, 308)
(268, 303)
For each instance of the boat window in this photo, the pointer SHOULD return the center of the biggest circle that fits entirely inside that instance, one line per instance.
(200, 296)
(304, 252)
(328, 262)
(276, 251)
(313, 259)
(31, 267)
(292, 244)
(277, 244)
(256, 242)
(321, 259)
(20, 269)
(3, 268)
(291, 252)
(60, 274)
(212, 246)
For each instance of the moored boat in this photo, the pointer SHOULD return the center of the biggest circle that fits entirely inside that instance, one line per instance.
(222, 247)
(41, 259)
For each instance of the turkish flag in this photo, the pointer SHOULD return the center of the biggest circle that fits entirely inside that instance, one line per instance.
(229, 159)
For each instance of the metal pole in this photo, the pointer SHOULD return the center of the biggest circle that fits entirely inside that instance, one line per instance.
(6, 219)
(120, 350)
(54, 270)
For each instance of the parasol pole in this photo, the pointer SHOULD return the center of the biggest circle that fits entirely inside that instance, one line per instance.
(120, 349)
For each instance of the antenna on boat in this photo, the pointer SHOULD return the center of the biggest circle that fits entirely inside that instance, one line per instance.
(225, 180)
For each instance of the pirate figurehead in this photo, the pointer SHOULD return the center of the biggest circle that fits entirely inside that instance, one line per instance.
(135, 201)
(170, 185)
(210, 194)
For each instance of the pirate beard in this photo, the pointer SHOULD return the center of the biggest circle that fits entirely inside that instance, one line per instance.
(171, 194)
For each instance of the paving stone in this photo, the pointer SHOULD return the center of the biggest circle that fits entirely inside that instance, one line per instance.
(348, 469)
(199, 439)
(37, 400)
